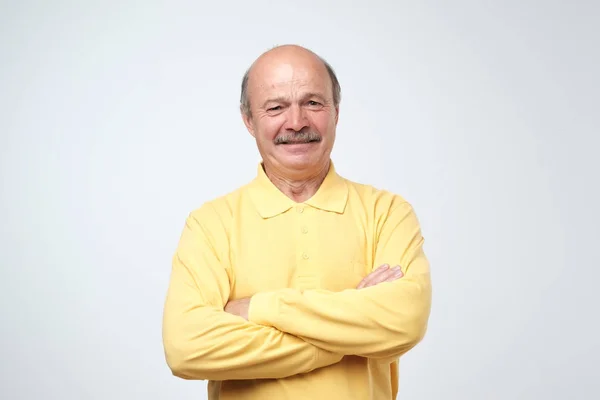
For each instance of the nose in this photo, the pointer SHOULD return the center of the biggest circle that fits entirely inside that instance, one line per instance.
(296, 119)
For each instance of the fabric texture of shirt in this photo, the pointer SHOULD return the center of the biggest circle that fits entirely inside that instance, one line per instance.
(310, 334)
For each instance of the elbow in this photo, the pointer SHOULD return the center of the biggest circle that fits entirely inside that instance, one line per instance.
(183, 362)
(403, 341)
(399, 339)
(178, 361)
(410, 332)
(417, 331)
(192, 363)
(405, 328)
(413, 326)
(182, 355)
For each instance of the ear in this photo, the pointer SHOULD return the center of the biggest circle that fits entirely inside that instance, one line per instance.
(248, 122)
(337, 114)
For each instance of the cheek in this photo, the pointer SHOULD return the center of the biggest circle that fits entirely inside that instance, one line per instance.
(269, 128)
(324, 122)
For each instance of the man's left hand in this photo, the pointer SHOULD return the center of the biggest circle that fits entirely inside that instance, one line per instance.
(238, 307)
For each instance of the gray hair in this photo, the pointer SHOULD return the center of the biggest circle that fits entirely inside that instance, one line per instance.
(335, 84)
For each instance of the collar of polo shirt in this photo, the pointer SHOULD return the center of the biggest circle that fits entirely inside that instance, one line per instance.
(332, 195)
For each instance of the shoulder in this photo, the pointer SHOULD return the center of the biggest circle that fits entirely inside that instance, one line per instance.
(380, 200)
(220, 210)
(388, 211)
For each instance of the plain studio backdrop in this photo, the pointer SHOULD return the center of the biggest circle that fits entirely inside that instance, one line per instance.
(119, 118)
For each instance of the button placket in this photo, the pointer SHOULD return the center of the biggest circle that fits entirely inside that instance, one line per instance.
(303, 240)
(307, 278)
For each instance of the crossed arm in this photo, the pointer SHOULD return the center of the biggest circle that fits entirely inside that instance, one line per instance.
(384, 273)
(201, 341)
(384, 319)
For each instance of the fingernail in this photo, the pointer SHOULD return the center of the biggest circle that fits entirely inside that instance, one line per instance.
(384, 266)
(396, 268)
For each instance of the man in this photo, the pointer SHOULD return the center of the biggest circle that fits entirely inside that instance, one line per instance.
(300, 284)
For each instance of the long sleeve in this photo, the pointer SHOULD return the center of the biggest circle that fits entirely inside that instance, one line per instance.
(201, 340)
(383, 321)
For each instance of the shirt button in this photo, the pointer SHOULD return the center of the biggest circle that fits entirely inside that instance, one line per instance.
(300, 209)
(305, 256)
(304, 229)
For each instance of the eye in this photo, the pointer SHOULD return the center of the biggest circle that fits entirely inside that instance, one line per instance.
(276, 108)
(315, 105)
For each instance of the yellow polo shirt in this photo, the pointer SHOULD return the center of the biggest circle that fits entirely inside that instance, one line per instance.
(310, 334)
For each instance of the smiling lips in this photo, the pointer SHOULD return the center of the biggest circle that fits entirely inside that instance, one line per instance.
(300, 141)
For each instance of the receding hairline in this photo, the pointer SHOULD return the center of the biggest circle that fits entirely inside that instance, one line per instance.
(335, 85)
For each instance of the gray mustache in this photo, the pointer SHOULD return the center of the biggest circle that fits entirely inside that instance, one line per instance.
(298, 137)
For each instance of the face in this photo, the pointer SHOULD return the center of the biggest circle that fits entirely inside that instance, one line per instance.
(293, 118)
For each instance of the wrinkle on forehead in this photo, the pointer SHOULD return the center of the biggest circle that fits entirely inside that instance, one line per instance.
(284, 86)
(290, 79)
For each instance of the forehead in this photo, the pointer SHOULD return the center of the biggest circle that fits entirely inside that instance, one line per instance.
(289, 78)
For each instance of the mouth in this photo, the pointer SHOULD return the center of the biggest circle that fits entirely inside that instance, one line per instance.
(291, 142)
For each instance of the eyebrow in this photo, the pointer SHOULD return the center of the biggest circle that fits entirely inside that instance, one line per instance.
(282, 99)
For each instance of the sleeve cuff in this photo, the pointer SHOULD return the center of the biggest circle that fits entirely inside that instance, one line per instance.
(263, 309)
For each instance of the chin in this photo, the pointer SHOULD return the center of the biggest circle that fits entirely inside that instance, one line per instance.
(297, 160)
(300, 161)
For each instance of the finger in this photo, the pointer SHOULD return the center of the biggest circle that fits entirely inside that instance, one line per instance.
(362, 283)
(367, 279)
(375, 274)
(397, 274)
(379, 280)
(390, 276)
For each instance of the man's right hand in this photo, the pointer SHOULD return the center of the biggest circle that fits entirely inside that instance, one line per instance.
(382, 274)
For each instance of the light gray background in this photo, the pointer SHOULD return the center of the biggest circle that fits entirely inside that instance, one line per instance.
(118, 118)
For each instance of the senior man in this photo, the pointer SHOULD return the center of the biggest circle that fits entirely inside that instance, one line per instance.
(301, 284)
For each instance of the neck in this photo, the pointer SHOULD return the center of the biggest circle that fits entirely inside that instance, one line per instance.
(298, 186)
